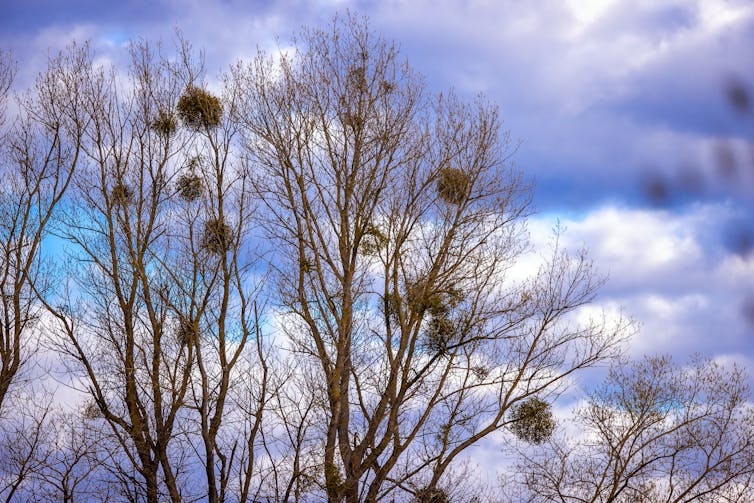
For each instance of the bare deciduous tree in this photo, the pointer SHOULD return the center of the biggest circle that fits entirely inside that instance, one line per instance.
(7, 75)
(161, 303)
(73, 460)
(24, 437)
(216, 296)
(115, 320)
(395, 217)
(655, 431)
(38, 155)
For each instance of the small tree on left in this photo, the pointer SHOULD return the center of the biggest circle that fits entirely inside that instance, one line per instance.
(39, 149)
(40, 145)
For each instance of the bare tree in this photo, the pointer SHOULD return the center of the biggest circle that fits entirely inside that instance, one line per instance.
(161, 306)
(73, 459)
(24, 437)
(7, 75)
(655, 431)
(114, 334)
(39, 154)
(395, 217)
(217, 298)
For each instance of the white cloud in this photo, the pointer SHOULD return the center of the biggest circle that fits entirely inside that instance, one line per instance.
(669, 272)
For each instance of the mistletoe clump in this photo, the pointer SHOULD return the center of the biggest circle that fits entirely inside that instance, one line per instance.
(432, 495)
(121, 193)
(453, 185)
(189, 186)
(218, 236)
(199, 109)
(441, 333)
(91, 411)
(373, 241)
(532, 421)
(164, 123)
(188, 331)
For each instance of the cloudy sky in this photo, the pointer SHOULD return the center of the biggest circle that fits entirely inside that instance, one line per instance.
(622, 110)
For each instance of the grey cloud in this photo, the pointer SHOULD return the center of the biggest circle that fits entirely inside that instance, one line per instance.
(595, 105)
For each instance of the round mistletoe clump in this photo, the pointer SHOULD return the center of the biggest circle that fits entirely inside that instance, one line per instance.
(91, 411)
(532, 421)
(164, 123)
(373, 241)
(189, 186)
(199, 109)
(453, 185)
(217, 236)
(121, 193)
(441, 334)
(357, 78)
